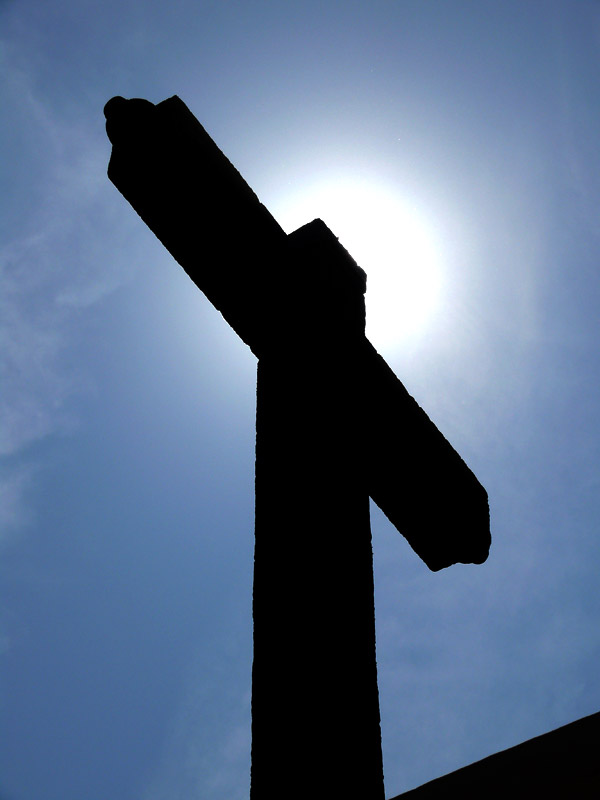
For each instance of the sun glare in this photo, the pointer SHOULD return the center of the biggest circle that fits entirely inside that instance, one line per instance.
(389, 240)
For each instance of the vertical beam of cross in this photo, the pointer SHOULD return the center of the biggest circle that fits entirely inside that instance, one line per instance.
(316, 728)
(333, 426)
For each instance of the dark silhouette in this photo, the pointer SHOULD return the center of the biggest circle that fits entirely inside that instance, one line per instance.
(563, 763)
(334, 425)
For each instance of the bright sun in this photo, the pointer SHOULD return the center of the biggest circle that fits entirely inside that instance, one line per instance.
(389, 240)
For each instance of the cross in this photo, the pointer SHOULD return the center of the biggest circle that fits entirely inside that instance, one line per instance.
(333, 426)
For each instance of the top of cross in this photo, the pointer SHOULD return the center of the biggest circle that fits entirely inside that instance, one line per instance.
(278, 290)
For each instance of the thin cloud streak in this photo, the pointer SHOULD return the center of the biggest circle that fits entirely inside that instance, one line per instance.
(206, 755)
(53, 266)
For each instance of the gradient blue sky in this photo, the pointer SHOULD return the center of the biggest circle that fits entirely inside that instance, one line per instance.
(127, 404)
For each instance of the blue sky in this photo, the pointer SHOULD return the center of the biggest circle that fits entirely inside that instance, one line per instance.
(127, 404)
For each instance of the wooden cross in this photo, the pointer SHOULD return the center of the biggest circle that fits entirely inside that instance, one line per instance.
(334, 426)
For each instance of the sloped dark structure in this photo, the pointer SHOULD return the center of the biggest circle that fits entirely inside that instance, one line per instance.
(564, 763)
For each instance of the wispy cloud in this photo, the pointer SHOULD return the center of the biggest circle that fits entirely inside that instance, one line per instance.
(12, 489)
(59, 211)
(207, 750)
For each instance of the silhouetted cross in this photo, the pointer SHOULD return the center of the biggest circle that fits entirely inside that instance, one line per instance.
(334, 425)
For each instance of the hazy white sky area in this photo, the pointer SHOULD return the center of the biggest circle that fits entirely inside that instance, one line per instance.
(453, 148)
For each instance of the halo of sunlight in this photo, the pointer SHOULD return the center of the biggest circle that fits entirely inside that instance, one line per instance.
(390, 239)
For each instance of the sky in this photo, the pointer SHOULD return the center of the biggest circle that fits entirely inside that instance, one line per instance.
(452, 146)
